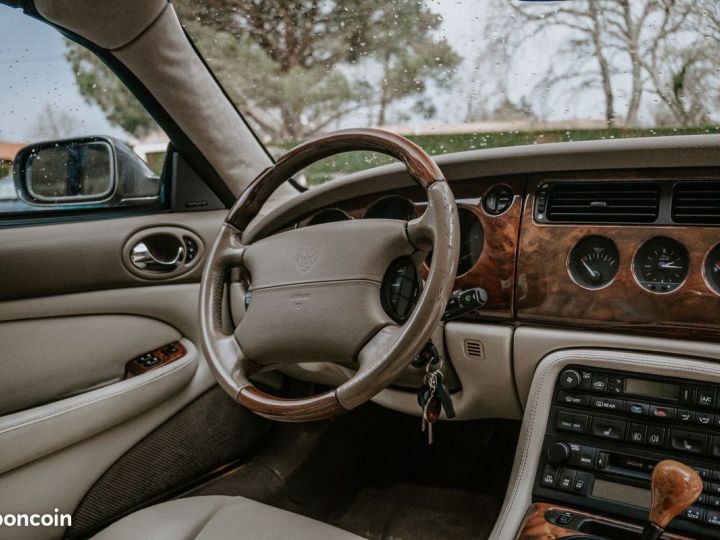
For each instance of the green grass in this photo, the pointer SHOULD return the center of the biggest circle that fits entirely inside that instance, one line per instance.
(336, 166)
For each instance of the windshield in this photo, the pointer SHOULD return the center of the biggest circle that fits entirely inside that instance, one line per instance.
(463, 75)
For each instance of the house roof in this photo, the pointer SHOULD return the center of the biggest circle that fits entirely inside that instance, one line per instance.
(9, 149)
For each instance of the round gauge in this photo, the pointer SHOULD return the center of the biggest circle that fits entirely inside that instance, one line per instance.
(594, 262)
(392, 207)
(328, 215)
(661, 264)
(711, 268)
(472, 238)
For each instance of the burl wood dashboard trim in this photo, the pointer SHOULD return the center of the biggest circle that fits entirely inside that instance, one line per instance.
(547, 295)
(536, 527)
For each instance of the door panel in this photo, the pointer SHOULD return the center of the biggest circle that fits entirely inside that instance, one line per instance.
(84, 256)
(71, 316)
(62, 423)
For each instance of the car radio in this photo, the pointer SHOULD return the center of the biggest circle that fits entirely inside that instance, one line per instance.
(608, 429)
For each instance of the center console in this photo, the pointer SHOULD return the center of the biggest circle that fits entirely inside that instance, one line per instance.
(606, 431)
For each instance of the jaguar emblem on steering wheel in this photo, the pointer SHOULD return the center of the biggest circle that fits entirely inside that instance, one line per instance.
(306, 257)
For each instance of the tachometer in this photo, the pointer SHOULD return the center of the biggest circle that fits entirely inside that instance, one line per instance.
(593, 262)
(711, 268)
(661, 264)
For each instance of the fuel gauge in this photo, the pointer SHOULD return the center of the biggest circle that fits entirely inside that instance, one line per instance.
(711, 269)
(593, 262)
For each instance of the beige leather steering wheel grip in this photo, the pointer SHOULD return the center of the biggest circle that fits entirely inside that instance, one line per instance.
(316, 290)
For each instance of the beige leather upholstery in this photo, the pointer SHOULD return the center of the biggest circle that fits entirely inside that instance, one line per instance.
(219, 518)
(33, 433)
(31, 357)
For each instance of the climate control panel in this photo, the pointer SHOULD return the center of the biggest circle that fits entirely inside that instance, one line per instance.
(608, 429)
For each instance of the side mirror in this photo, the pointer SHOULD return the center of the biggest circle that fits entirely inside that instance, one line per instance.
(89, 171)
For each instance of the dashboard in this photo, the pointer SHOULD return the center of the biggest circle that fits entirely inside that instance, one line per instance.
(631, 250)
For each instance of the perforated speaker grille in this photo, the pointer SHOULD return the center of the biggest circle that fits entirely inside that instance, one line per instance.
(210, 432)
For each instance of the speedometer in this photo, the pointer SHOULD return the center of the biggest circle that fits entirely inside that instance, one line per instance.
(661, 264)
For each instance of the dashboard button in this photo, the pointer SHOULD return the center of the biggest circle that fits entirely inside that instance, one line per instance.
(715, 451)
(608, 428)
(687, 394)
(688, 441)
(602, 460)
(586, 459)
(655, 436)
(599, 383)
(549, 476)
(573, 399)
(637, 408)
(616, 385)
(567, 480)
(713, 518)
(706, 396)
(558, 452)
(637, 433)
(569, 379)
(660, 411)
(571, 422)
(704, 419)
(582, 483)
(586, 380)
(685, 415)
(694, 513)
(608, 404)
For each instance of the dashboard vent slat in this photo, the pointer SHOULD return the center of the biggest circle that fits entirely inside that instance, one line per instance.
(603, 202)
(696, 202)
(474, 349)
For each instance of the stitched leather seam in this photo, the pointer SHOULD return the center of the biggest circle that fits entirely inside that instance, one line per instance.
(58, 412)
(323, 283)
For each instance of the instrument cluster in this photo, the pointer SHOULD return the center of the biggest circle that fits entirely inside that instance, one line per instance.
(660, 264)
(472, 234)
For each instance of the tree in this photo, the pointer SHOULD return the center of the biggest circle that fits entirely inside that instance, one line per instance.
(664, 43)
(401, 43)
(54, 123)
(99, 85)
(289, 66)
(585, 21)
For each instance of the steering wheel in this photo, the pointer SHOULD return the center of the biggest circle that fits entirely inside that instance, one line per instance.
(316, 290)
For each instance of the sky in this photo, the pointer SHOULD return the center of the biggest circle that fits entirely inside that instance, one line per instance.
(37, 76)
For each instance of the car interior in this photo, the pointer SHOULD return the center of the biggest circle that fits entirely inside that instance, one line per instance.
(515, 342)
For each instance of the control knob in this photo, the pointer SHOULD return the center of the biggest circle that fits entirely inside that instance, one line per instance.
(569, 379)
(558, 452)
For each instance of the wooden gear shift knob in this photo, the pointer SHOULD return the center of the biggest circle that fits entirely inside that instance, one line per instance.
(675, 487)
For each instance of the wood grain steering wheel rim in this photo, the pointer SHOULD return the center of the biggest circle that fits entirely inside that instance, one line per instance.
(382, 349)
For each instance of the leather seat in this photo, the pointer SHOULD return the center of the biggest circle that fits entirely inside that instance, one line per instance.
(219, 518)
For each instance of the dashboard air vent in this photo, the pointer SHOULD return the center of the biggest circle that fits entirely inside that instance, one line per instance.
(603, 202)
(474, 349)
(696, 202)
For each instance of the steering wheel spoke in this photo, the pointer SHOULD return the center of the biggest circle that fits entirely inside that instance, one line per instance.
(421, 230)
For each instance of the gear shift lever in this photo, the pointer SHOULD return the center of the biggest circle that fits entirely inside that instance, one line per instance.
(675, 487)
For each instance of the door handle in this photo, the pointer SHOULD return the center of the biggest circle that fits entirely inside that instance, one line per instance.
(143, 258)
